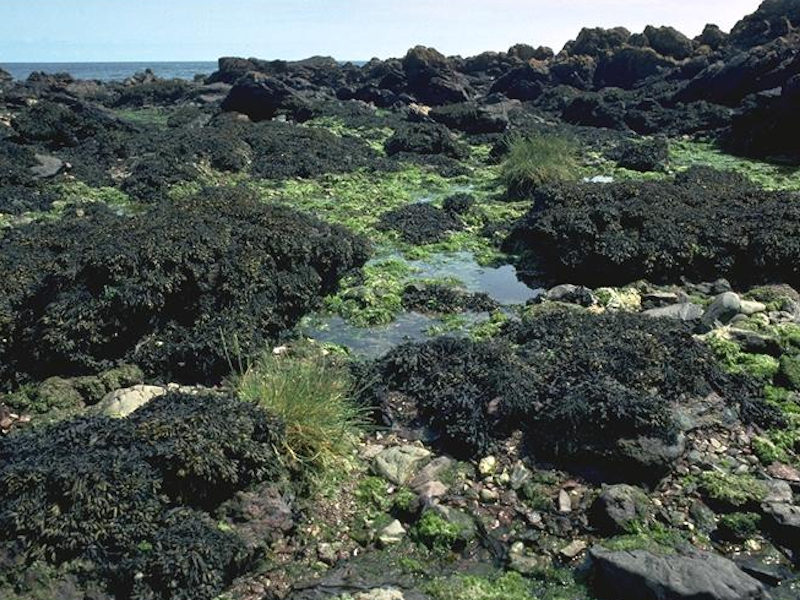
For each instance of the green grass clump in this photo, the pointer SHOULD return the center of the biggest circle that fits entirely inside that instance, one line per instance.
(535, 161)
(310, 392)
(731, 491)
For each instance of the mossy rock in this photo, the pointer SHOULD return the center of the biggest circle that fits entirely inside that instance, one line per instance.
(789, 372)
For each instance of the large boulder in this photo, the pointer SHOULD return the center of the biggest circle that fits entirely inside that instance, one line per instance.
(261, 97)
(668, 41)
(628, 66)
(576, 71)
(523, 83)
(431, 78)
(768, 126)
(642, 575)
(618, 508)
(774, 18)
(757, 69)
(526, 52)
(596, 41)
(712, 36)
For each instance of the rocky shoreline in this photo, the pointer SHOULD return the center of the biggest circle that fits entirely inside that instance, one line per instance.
(519, 325)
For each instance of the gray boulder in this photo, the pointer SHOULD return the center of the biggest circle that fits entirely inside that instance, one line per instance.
(722, 309)
(642, 575)
(617, 508)
(684, 311)
(668, 41)
(784, 522)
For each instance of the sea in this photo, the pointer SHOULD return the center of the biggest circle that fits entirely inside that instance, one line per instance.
(113, 71)
(118, 71)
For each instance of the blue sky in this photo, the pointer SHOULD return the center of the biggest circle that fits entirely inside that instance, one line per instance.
(117, 30)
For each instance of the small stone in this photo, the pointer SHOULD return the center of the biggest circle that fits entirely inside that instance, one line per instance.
(489, 496)
(517, 548)
(524, 564)
(487, 466)
(398, 463)
(431, 489)
(503, 478)
(393, 533)
(519, 475)
(380, 594)
(751, 307)
(564, 502)
(573, 549)
(326, 553)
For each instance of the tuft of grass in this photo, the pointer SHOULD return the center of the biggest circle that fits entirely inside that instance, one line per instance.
(533, 161)
(310, 391)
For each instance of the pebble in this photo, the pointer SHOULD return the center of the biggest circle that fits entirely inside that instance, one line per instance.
(489, 496)
(573, 549)
(564, 502)
(393, 533)
(487, 466)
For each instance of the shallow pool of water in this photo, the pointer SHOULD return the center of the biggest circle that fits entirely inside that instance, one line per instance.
(501, 283)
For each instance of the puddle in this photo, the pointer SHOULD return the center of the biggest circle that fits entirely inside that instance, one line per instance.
(500, 283)
(372, 342)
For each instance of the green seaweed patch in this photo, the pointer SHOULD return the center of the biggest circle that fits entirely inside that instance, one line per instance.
(654, 537)
(734, 361)
(374, 136)
(731, 491)
(153, 115)
(373, 297)
(738, 526)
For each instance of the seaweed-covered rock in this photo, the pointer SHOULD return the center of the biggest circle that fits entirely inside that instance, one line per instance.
(166, 289)
(439, 298)
(627, 66)
(668, 41)
(470, 117)
(420, 223)
(705, 225)
(532, 377)
(643, 155)
(425, 138)
(523, 83)
(131, 493)
(261, 97)
(774, 18)
(458, 204)
(595, 41)
(431, 78)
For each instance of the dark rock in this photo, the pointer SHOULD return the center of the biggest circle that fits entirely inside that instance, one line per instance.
(571, 294)
(425, 138)
(642, 155)
(262, 97)
(596, 41)
(259, 516)
(251, 269)
(459, 204)
(668, 41)
(431, 79)
(523, 83)
(642, 575)
(705, 225)
(770, 574)
(575, 71)
(420, 223)
(774, 18)
(713, 37)
(784, 524)
(526, 52)
(470, 117)
(617, 508)
(437, 298)
(628, 66)
(756, 343)
(5, 76)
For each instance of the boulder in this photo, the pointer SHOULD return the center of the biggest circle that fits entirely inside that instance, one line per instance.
(774, 18)
(642, 575)
(668, 41)
(712, 36)
(526, 52)
(431, 78)
(261, 97)
(575, 71)
(47, 166)
(399, 463)
(121, 403)
(642, 155)
(424, 138)
(5, 76)
(783, 520)
(617, 508)
(596, 41)
(722, 309)
(625, 67)
(470, 117)
(523, 83)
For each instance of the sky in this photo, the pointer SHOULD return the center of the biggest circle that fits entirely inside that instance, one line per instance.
(185, 30)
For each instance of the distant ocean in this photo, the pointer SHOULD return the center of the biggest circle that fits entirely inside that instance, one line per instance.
(113, 71)
(118, 71)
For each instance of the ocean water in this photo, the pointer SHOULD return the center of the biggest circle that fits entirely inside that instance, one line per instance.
(113, 71)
